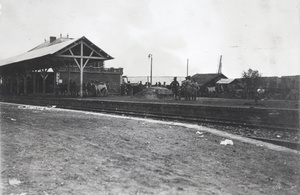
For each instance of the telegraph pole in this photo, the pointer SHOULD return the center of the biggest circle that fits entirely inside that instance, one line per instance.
(187, 67)
(220, 66)
(150, 56)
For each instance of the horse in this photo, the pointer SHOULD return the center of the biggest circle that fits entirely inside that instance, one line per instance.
(100, 89)
(62, 89)
(90, 89)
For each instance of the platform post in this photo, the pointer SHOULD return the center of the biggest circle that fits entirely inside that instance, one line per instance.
(25, 83)
(33, 83)
(44, 76)
(18, 84)
(11, 84)
(55, 71)
(69, 78)
(81, 69)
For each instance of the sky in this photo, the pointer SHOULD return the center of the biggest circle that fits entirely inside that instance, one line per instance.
(184, 37)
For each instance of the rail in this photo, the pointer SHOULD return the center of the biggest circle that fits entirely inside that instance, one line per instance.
(187, 113)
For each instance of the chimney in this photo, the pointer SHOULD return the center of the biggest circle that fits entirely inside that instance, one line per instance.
(52, 39)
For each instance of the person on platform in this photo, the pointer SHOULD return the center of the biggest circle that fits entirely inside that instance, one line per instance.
(175, 88)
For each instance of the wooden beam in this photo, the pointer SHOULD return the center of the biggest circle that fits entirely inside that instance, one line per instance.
(92, 49)
(69, 48)
(87, 60)
(75, 59)
(84, 57)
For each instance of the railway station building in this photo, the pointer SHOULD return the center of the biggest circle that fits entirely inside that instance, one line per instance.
(56, 62)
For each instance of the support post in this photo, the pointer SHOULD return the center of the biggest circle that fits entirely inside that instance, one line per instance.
(11, 84)
(25, 83)
(81, 69)
(5, 85)
(55, 70)
(18, 84)
(33, 83)
(69, 78)
(44, 76)
(44, 85)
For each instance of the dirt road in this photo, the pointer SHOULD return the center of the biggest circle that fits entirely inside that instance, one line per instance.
(52, 151)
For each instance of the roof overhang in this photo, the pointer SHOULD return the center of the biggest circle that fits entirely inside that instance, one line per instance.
(70, 50)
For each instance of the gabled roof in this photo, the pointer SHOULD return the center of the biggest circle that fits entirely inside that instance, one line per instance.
(227, 81)
(203, 79)
(49, 43)
(48, 49)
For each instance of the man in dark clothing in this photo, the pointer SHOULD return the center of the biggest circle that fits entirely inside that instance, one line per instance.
(175, 87)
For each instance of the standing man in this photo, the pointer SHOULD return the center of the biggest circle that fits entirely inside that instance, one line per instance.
(107, 86)
(175, 87)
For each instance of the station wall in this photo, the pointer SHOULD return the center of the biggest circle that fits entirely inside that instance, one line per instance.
(113, 80)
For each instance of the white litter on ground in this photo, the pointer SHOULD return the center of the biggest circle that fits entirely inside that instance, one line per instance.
(13, 119)
(34, 107)
(227, 142)
(14, 182)
(199, 132)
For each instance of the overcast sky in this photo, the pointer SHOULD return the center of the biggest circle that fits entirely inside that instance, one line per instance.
(258, 34)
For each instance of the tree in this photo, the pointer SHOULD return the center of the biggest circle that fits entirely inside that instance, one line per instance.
(252, 81)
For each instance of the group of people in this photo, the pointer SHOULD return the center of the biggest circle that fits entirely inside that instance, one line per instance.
(92, 88)
(187, 90)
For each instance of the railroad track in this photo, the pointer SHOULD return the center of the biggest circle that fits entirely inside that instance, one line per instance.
(284, 143)
(170, 117)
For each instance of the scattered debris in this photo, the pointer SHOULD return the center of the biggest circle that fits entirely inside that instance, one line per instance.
(14, 182)
(227, 142)
(200, 134)
(35, 107)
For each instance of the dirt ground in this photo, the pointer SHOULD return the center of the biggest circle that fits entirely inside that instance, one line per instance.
(51, 151)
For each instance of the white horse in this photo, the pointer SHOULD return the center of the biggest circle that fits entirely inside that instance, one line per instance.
(101, 89)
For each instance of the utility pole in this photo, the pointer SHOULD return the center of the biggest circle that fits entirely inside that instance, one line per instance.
(187, 67)
(220, 66)
(150, 56)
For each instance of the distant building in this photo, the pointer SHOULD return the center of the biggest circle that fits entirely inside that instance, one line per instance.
(291, 86)
(290, 82)
(270, 83)
(209, 80)
(207, 83)
(228, 85)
